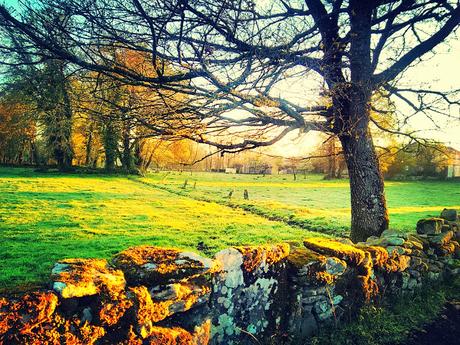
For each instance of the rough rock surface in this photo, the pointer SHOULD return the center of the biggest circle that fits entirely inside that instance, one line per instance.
(86, 277)
(246, 293)
(149, 265)
(430, 226)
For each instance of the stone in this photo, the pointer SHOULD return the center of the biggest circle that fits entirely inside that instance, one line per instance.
(414, 273)
(151, 266)
(308, 327)
(413, 245)
(86, 277)
(457, 249)
(412, 284)
(395, 250)
(394, 233)
(145, 313)
(322, 306)
(111, 309)
(442, 238)
(326, 315)
(387, 241)
(449, 214)
(312, 299)
(178, 336)
(446, 227)
(345, 252)
(446, 249)
(231, 273)
(430, 226)
(256, 256)
(34, 319)
(28, 313)
(253, 297)
(180, 297)
(87, 315)
(335, 266)
(151, 307)
(321, 290)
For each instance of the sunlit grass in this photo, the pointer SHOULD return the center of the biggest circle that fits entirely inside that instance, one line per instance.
(321, 203)
(47, 217)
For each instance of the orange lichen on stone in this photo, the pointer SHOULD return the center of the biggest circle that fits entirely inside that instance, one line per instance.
(397, 263)
(145, 312)
(33, 320)
(86, 277)
(329, 247)
(81, 334)
(25, 316)
(202, 334)
(113, 309)
(362, 258)
(368, 286)
(180, 336)
(170, 336)
(300, 257)
(254, 256)
(325, 278)
(181, 296)
(142, 255)
(150, 265)
(447, 249)
(379, 255)
(131, 338)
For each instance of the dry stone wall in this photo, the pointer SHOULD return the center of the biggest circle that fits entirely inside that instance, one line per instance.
(268, 294)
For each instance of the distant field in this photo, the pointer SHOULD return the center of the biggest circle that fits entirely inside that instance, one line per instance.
(47, 217)
(311, 201)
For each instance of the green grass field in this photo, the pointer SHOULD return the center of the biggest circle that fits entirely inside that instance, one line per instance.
(47, 217)
(310, 201)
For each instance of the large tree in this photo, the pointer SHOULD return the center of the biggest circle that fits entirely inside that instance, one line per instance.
(237, 54)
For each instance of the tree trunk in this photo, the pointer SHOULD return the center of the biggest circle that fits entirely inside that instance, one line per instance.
(89, 146)
(369, 215)
(65, 154)
(332, 161)
(127, 158)
(110, 142)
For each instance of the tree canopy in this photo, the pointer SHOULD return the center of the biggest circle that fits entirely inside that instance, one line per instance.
(230, 59)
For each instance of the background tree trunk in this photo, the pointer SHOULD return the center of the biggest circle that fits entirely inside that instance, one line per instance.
(110, 142)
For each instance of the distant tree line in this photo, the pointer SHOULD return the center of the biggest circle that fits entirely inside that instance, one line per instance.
(51, 115)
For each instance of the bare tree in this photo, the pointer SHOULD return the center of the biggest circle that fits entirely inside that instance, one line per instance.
(235, 55)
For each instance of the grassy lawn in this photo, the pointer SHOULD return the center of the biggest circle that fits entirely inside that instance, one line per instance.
(47, 217)
(310, 200)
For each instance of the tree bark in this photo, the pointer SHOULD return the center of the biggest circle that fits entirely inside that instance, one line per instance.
(127, 157)
(110, 142)
(369, 216)
(89, 146)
